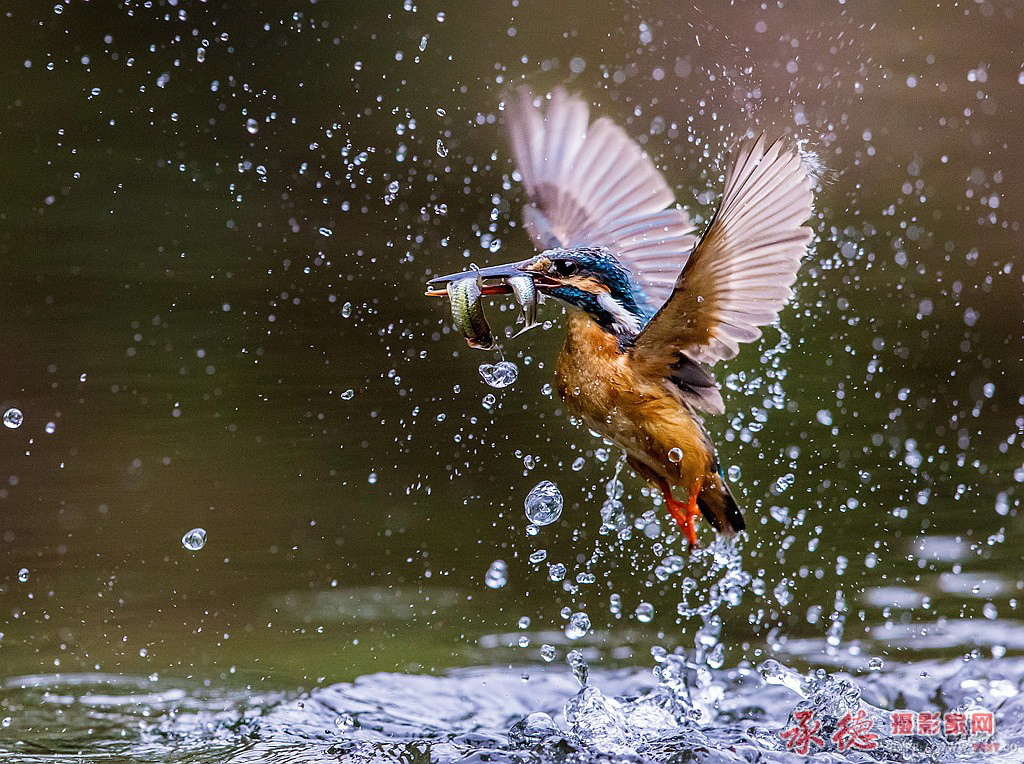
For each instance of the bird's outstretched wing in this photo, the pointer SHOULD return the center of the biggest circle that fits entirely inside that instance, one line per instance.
(590, 185)
(742, 270)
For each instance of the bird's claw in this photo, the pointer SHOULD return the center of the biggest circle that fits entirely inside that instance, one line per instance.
(685, 514)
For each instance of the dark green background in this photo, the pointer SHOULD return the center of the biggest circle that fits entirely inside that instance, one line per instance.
(168, 300)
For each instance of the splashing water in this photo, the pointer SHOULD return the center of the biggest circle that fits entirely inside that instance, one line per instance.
(194, 540)
(577, 715)
(544, 503)
(13, 418)
(501, 374)
(497, 575)
(578, 626)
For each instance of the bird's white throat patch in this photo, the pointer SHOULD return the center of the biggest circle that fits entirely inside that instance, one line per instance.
(623, 322)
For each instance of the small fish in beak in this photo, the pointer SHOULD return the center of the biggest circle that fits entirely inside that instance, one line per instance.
(468, 312)
(465, 290)
(524, 289)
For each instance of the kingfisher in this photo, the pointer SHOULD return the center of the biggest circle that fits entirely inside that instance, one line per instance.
(653, 303)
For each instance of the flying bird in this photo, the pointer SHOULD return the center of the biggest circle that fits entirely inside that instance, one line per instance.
(654, 303)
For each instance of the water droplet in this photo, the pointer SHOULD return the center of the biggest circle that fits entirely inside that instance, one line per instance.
(548, 652)
(782, 593)
(251, 126)
(524, 622)
(325, 231)
(498, 375)
(578, 464)
(23, 575)
(442, 150)
(51, 427)
(556, 572)
(539, 556)
(875, 664)
(393, 187)
(200, 55)
(13, 418)
(783, 484)
(579, 666)
(194, 540)
(834, 635)
(489, 401)
(345, 722)
(544, 503)
(346, 310)
(716, 658)
(673, 563)
(774, 672)
(675, 455)
(578, 626)
(644, 612)
(348, 394)
(734, 473)
(532, 730)
(497, 575)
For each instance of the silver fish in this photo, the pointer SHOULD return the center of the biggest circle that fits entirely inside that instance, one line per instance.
(525, 291)
(468, 313)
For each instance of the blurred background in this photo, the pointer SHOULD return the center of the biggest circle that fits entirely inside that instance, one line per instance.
(216, 220)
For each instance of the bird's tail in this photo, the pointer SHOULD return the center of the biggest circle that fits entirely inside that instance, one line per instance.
(719, 507)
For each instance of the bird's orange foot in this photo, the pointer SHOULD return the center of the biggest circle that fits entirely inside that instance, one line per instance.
(685, 513)
(680, 512)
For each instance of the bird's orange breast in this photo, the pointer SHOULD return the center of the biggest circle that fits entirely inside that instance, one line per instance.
(598, 382)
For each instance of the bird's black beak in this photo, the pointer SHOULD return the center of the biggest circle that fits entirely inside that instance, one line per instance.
(493, 280)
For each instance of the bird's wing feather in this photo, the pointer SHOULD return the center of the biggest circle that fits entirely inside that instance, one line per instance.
(741, 272)
(590, 185)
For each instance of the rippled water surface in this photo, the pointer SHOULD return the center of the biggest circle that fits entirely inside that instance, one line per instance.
(682, 712)
(258, 503)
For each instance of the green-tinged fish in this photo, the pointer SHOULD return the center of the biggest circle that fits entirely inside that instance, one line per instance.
(468, 312)
(525, 291)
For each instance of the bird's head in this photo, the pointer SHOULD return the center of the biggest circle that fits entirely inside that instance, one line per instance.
(591, 279)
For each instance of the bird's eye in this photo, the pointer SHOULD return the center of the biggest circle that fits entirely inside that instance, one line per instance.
(566, 267)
